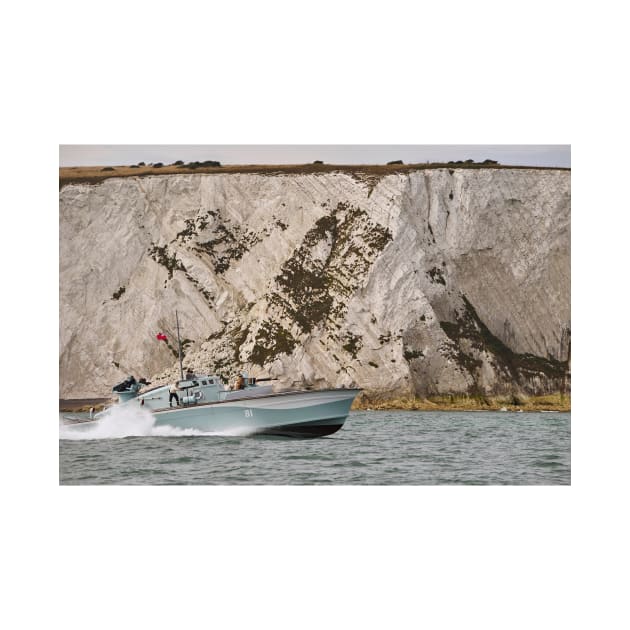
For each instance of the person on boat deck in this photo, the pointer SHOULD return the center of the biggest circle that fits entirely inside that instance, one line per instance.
(240, 382)
(189, 374)
(173, 394)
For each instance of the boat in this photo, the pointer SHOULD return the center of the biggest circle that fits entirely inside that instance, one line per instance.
(206, 404)
(203, 402)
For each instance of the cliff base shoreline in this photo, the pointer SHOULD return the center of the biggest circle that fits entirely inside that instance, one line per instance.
(550, 402)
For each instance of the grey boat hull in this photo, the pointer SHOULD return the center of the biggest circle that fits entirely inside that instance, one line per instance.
(291, 414)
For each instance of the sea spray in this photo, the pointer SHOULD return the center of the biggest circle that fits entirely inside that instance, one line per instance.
(133, 421)
(167, 430)
(115, 422)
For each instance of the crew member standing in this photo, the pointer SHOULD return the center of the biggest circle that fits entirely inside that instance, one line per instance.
(173, 394)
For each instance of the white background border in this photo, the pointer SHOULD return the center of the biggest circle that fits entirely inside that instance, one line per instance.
(346, 73)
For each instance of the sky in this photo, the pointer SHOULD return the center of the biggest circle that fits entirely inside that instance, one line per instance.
(119, 155)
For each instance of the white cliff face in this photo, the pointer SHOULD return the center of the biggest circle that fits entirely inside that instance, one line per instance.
(429, 282)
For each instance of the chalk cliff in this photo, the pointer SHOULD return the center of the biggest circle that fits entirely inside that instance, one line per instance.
(426, 282)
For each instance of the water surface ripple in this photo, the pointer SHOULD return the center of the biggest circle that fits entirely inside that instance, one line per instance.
(373, 448)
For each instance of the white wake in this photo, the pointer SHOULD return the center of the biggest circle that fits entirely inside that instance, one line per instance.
(121, 422)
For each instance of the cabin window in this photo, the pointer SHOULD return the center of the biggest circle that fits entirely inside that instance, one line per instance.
(204, 382)
(211, 382)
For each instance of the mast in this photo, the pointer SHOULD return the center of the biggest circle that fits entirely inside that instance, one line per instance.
(179, 348)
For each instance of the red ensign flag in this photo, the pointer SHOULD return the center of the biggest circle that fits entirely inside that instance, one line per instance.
(161, 337)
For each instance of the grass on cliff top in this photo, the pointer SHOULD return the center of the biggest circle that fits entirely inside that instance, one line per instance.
(550, 402)
(96, 174)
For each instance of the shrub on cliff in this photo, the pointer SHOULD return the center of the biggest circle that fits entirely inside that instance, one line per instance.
(199, 164)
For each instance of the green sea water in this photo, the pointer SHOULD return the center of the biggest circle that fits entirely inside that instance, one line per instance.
(372, 448)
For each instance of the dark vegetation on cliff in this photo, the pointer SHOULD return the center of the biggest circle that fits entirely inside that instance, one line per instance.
(223, 242)
(162, 256)
(521, 369)
(313, 286)
(312, 289)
